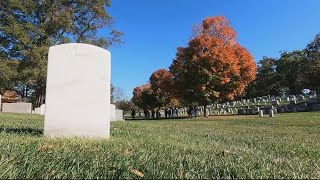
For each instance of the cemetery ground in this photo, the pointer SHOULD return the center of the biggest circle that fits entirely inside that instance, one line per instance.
(286, 146)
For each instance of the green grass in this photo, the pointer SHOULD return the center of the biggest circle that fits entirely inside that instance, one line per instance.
(287, 146)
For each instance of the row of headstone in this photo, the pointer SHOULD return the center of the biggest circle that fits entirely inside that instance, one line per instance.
(115, 114)
(40, 110)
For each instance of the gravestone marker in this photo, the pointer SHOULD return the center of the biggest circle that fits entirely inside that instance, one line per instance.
(119, 115)
(42, 109)
(275, 102)
(78, 91)
(37, 110)
(112, 112)
(271, 113)
(17, 107)
(260, 113)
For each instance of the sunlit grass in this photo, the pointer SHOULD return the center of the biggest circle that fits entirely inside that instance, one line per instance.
(287, 146)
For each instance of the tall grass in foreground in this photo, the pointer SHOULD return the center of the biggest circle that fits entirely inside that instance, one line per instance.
(287, 146)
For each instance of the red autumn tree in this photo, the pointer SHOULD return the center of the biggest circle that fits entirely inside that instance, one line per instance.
(144, 97)
(213, 66)
(162, 84)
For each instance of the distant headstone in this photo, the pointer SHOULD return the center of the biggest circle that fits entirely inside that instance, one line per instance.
(313, 95)
(17, 107)
(78, 91)
(0, 103)
(112, 112)
(303, 106)
(119, 115)
(260, 113)
(275, 103)
(37, 110)
(275, 111)
(257, 109)
(271, 113)
(254, 100)
(42, 109)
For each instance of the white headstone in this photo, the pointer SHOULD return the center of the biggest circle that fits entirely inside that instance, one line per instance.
(119, 115)
(37, 110)
(261, 113)
(112, 112)
(271, 113)
(42, 109)
(78, 91)
(17, 107)
(0, 103)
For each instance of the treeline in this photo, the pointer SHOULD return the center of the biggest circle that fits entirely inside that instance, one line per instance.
(213, 67)
(291, 73)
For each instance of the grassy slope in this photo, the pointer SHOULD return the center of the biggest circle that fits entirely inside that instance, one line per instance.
(287, 146)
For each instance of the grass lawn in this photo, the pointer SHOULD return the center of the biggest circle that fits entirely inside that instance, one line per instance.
(287, 146)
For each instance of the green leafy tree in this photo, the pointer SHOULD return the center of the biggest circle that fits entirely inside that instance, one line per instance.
(268, 81)
(8, 74)
(28, 28)
(289, 68)
(311, 69)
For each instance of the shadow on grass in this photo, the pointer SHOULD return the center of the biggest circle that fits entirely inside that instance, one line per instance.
(152, 119)
(22, 131)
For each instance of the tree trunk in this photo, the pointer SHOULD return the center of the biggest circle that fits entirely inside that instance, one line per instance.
(40, 97)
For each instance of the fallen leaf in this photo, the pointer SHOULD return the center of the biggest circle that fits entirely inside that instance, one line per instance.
(136, 172)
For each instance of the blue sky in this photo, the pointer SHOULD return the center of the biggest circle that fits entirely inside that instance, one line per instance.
(155, 28)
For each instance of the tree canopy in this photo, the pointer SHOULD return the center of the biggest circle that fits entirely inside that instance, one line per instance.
(28, 28)
(213, 66)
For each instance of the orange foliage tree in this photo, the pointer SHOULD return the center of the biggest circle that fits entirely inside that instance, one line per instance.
(144, 97)
(162, 84)
(213, 66)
